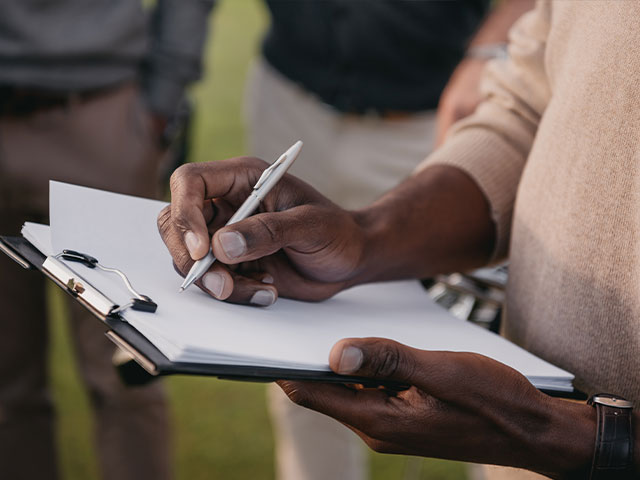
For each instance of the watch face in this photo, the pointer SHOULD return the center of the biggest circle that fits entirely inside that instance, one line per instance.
(611, 401)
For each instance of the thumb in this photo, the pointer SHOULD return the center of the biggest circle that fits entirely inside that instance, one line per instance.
(376, 358)
(264, 234)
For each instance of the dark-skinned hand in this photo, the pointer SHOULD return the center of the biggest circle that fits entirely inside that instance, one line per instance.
(307, 248)
(460, 406)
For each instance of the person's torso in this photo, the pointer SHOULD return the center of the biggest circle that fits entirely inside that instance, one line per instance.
(66, 44)
(384, 55)
(574, 287)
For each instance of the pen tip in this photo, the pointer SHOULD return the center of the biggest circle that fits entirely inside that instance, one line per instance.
(181, 290)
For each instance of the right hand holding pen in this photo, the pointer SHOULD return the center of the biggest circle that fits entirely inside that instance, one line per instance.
(299, 244)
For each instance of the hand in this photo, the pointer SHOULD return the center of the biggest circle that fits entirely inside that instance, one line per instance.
(460, 406)
(460, 97)
(299, 244)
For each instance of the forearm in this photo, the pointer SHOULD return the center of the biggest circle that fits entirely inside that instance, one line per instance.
(179, 31)
(436, 221)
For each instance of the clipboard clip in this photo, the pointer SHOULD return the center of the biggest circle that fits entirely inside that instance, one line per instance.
(139, 302)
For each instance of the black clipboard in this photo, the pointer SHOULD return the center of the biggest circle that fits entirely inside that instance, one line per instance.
(152, 361)
(142, 350)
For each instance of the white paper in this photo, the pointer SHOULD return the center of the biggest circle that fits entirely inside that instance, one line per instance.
(120, 231)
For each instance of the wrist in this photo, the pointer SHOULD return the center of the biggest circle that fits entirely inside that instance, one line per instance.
(564, 450)
(436, 221)
(371, 232)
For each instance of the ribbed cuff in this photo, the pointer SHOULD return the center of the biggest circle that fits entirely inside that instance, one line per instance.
(495, 166)
(164, 94)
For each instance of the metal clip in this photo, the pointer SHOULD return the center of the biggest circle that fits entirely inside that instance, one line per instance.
(269, 170)
(140, 302)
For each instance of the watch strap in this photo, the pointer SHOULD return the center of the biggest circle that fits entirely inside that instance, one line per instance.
(613, 456)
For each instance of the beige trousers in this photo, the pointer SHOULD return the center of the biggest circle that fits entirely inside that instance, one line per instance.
(352, 160)
(492, 472)
(104, 142)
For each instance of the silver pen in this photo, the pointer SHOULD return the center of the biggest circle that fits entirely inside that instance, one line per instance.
(265, 183)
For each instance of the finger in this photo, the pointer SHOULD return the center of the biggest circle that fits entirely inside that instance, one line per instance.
(174, 241)
(217, 281)
(462, 378)
(193, 183)
(266, 233)
(290, 283)
(359, 409)
(222, 211)
(389, 360)
(250, 289)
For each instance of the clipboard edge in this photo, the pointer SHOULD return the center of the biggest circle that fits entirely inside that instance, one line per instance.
(139, 358)
(13, 254)
(165, 367)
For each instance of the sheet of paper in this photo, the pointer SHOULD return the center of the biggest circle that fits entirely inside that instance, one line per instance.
(121, 232)
(39, 236)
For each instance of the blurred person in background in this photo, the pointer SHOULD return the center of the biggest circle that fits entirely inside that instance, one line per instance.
(87, 89)
(360, 83)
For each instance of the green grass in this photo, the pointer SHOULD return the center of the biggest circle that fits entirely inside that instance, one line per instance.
(221, 428)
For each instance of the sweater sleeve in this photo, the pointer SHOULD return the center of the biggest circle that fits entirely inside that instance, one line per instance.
(492, 145)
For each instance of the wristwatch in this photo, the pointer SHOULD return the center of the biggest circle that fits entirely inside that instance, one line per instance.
(613, 455)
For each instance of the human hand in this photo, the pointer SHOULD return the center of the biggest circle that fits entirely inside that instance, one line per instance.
(298, 245)
(460, 406)
(460, 97)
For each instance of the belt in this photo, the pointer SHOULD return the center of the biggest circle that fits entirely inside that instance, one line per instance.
(25, 101)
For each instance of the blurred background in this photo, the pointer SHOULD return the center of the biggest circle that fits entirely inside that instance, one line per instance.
(221, 428)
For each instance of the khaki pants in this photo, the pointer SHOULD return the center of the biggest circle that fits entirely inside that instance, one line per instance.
(103, 142)
(492, 472)
(352, 160)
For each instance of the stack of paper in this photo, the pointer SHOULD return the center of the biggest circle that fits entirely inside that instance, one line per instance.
(120, 231)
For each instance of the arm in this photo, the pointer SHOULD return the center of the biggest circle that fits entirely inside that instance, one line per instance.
(178, 32)
(450, 215)
(460, 406)
(462, 95)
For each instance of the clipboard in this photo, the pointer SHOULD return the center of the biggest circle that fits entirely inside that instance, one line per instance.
(148, 357)
(142, 351)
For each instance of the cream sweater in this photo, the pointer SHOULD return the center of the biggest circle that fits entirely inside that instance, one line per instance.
(555, 147)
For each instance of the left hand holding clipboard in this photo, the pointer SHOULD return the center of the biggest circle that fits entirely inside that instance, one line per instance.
(461, 406)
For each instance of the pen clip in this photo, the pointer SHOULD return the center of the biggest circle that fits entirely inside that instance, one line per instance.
(269, 170)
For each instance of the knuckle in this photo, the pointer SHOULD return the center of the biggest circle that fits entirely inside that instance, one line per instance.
(180, 220)
(186, 173)
(387, 363)
(178, 175)
(271, 228)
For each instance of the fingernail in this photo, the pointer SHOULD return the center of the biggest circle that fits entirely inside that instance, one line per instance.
(263, 298)
(214, 282)
(192, 242)
(268, 279)
(233, 244)
(350, 360)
